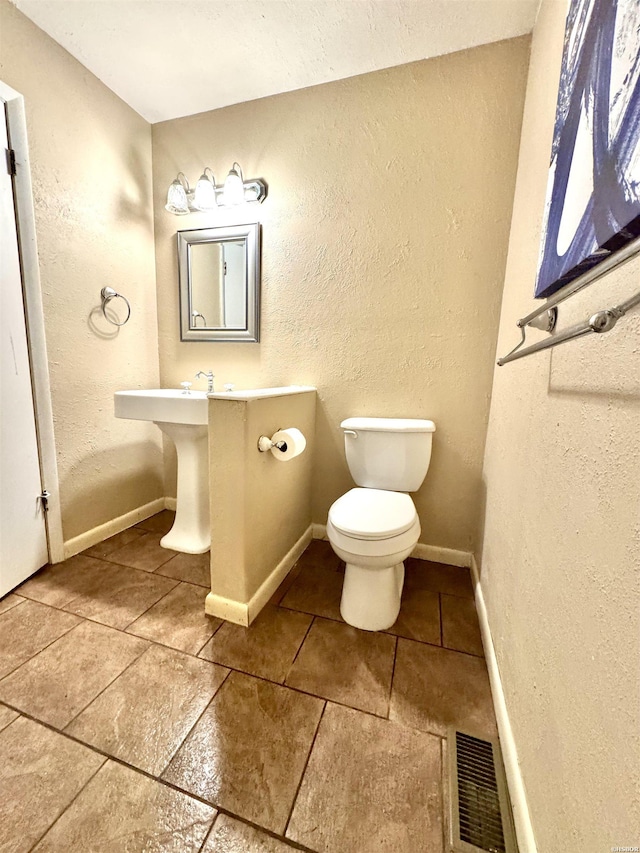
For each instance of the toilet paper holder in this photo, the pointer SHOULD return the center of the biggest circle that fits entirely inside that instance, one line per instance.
(265, 443)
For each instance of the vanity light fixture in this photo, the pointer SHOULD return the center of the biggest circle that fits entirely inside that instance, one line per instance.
(208, 195)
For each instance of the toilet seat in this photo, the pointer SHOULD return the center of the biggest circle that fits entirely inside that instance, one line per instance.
(373, 514)
(353, 550)
(373, 524)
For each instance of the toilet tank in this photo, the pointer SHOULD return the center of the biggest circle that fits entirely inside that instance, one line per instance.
(388, 453)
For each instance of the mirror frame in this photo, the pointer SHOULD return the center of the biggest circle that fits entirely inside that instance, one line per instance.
(186, 239)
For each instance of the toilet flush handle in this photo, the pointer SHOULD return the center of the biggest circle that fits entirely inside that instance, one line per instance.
(351, 432)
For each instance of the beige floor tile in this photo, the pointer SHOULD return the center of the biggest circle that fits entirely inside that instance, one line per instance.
(346, 665)
(371, 786)
(232, 836)
(435, 688)
(146, 713)
(178, 620)
(419, 617)
(9, 601)
(317, 591)
(59, 682)
(26, 629)
(439, 577)
(107, 593)
(6, 716)
(121, 811)
(192, 568)
(144, 553)
(161, 522)
(57, 585)
(40, 774)
(460, 626)
(320, 554)
(108, 546)
(116, 595)
(267, 648)
(248, 750)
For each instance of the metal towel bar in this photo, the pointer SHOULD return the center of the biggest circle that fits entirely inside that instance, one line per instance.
(600, 322)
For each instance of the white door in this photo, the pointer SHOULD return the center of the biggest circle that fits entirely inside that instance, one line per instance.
(23, 539)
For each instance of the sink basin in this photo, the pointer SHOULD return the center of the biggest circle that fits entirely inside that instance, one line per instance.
(162, 404)
(183, 417)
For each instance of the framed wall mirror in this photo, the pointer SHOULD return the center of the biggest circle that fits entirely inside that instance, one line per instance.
(219, 272)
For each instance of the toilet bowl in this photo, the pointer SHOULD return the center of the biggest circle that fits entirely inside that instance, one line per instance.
(374, 529)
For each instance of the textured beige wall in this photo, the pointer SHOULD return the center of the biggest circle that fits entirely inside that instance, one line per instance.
(91, 170)
(259, 507)
(561, 560)
(384, 243)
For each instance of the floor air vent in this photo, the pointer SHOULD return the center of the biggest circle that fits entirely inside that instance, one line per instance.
(480, 810)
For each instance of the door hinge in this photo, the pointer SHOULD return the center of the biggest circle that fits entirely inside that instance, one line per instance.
(11, 161)
(44, 498)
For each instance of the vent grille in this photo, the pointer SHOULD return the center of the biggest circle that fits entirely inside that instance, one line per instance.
(479, 797)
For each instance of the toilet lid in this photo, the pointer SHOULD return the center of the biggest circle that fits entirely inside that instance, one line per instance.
(372, 513)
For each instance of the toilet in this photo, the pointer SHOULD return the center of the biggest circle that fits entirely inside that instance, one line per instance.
(374, 528)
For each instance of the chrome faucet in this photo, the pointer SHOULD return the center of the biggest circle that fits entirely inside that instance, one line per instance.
(209, 377)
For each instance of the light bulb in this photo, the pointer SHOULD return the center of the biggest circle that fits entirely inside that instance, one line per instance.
(177, 199)
(233, 192)
(205, 194)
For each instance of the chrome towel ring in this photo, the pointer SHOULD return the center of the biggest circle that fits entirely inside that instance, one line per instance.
(107, 294)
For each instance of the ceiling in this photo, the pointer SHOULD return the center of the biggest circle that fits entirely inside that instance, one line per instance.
(170, 58)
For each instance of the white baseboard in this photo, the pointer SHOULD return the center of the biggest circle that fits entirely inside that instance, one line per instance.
(244, 613)
(449, 556)
(521, 817)
(227, 608)
(320, 531)
(110, 528)
(170, 503)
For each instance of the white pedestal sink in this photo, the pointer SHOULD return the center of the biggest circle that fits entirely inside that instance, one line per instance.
(183, 416)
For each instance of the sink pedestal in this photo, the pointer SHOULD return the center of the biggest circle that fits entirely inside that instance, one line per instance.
(191, 531)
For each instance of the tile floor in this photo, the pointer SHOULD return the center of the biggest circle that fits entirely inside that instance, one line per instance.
(130, 721)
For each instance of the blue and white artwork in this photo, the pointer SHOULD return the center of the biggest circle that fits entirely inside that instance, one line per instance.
(593, 193)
